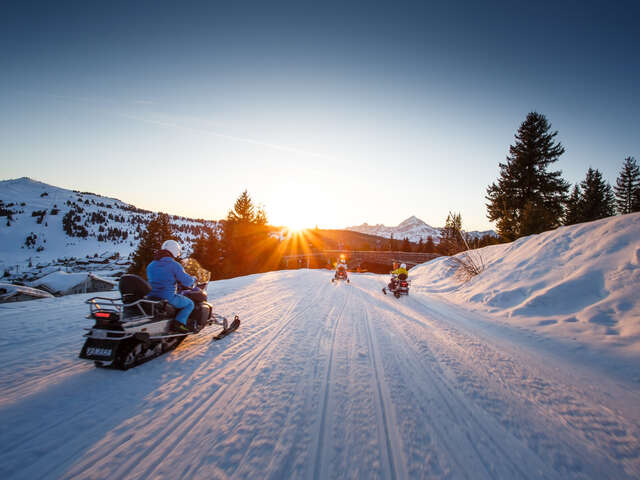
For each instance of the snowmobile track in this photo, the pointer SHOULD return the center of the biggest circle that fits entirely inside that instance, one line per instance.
(186, 422)
(324, 423)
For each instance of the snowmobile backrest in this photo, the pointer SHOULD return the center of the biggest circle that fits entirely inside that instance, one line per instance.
(133, 288)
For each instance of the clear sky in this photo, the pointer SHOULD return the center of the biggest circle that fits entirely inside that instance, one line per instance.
(329, 113)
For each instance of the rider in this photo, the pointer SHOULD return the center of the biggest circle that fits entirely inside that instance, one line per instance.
(396, 275)
(164, 272)
(341, 267)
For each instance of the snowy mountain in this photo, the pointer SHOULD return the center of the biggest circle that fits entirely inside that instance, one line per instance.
(41, 224)
(412, 228)
(528, 371)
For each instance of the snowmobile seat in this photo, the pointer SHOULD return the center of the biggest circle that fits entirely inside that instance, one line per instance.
(402, 276)
(133, 288)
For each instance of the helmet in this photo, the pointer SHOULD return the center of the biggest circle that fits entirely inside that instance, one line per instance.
(404, 265)
(172, 247)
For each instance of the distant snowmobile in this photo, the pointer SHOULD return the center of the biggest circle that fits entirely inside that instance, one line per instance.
(134, 329)
(399, 285)
(341, 270)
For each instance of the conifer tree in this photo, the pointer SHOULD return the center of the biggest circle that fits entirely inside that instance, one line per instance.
(207, 251)
(451, 241)
(527, 197)
(429, 247)
(573, 214)
(406, 245)
(627, 188)
(158, 230)
(597, 197)
(245, 240)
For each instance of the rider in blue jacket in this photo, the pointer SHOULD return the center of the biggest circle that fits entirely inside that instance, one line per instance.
(164, 272)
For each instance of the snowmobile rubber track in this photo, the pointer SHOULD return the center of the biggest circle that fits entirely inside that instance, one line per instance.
(119, 362)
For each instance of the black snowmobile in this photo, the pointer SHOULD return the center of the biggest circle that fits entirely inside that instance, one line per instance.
(341, 274)
(399, 285)
(135, 328)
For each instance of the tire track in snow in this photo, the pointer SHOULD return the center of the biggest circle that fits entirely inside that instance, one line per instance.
(324, 425)
(393, 460)
(181, 426)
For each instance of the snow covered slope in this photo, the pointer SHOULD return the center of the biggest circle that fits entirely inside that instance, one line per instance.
(40, 223)
(412, 228)
(321, 381)
(580, 283)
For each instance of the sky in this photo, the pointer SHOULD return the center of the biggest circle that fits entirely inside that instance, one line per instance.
(328, 113)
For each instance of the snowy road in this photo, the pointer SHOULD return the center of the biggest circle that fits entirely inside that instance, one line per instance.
(321, 381)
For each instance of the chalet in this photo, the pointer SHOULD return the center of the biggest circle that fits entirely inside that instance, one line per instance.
(19, 293)
(63, 283)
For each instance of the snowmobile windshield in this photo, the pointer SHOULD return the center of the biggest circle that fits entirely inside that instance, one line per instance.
(193, 268)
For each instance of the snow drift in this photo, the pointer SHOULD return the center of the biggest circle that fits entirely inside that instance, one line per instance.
(579, 282)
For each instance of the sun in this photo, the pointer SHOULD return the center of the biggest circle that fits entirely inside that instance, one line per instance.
(296, 226)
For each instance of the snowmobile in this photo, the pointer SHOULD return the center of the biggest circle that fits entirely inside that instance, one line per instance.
(399, 285)
(134, 328)
(341, 274)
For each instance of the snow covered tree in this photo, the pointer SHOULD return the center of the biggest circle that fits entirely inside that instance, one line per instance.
(572, 214)
(597, 200)
(158, 230)
(627, 188)
(528, 198)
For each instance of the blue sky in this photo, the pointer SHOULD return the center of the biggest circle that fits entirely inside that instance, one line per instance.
(329, 113)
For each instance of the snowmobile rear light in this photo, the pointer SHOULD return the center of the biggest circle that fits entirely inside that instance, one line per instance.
(101, 315)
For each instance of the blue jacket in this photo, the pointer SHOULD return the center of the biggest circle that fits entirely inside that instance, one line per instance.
(163, 275)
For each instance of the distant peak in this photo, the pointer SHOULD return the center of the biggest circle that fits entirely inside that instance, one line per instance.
(412, 220)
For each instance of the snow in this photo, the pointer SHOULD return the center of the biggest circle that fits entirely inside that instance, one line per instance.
(576, 283)
(328, 380)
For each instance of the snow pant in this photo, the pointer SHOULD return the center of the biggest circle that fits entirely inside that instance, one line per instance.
(184, 306)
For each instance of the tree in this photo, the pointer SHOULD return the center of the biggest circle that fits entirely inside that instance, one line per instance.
(451, 240)
(207, 251)
(158, 230)
(429, 247)
(573, 213)
(528, 198)
(627, 188)
(246, 245)
(406, 245)
(597, 199)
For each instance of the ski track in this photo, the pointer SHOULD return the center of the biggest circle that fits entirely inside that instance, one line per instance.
(321, 381)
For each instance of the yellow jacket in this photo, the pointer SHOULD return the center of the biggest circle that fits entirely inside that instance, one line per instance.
(398, 271)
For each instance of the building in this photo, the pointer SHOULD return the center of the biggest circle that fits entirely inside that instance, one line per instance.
(63, 283)
(19, 293)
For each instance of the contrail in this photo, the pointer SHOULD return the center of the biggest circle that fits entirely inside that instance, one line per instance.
(228, 137)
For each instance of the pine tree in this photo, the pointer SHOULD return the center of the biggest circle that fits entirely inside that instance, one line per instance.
(573, 213)
(158, 230)
(627, 188)
(429, 247)
(451, 241)
(207, 251)
(597, 197)
(528, 198)
(406, 245)
(246, 248)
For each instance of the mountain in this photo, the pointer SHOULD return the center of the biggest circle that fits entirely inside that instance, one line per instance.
(43, 226)
(412, 228)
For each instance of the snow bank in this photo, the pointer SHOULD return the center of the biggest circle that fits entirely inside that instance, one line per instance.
(579, 282)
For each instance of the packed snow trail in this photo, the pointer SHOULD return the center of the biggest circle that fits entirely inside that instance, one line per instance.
(321, 381)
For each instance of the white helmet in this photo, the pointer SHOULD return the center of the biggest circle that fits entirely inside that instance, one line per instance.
(404, 265)
(172, 247)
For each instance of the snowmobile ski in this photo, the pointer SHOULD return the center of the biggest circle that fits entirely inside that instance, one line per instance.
(230, 329)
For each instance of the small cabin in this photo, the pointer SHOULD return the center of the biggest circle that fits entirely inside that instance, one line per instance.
(19, 293)
(63, 283)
